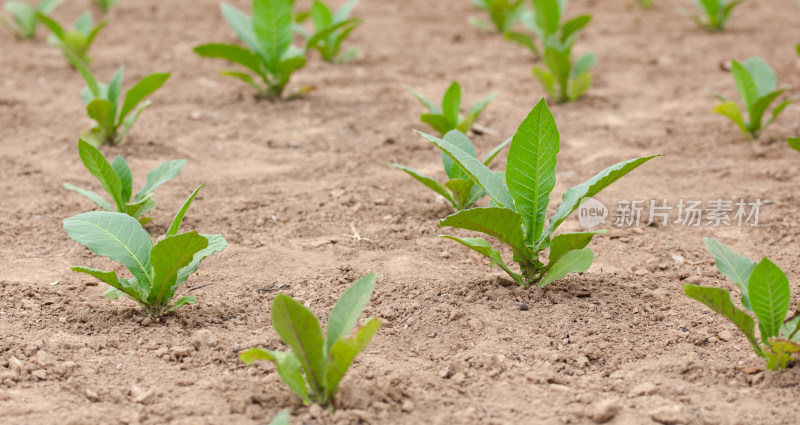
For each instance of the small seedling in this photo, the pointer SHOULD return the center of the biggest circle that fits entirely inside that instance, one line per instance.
(503, 14)
(448, 117)
(516, 215)
(330, 30)
(78, 40)
(765, 292)
(158, 269)
(103, 103)
(756, 83)
(24, 17)
(105, 5)
(794, 143)
(460, 190)
(715, 13)
(117, 181)
(269, 53)
(564, 80)
(317, 363)
(645, 4)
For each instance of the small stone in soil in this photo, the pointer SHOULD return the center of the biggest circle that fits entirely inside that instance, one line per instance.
(603, 411)
(522, 306)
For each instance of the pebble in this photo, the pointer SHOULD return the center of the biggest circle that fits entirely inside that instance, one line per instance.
(91, 395)
(605, 410)
(523, 306)
(147, 321)
(15, 365)
(407, 406)
(40, 374)
(669, 415)
(725, 335)
(141, 396)
(645, 388)
(204, 338)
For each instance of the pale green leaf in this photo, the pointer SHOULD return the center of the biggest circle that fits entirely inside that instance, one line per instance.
(348, 308)
(575, 261)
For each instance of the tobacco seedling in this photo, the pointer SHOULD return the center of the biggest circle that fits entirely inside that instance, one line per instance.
(330, 30)
(765, 292)
(448, 116)
(516, 215)
(715, 13)
(756, 82)
(794, 143)
(158, 269)
(24, 17)
(282, 418)
(105, 5)
(270, 54)
(460, 190)
(78, 40)
(117, 181)
(113, 119)
(502, 13)
(564, 80)
(317, 363)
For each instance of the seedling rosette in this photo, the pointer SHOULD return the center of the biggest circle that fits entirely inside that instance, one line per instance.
(516, 215)
(448, 116)
(23, 16)
(316, 365)
(158, 269)
(502, 13)
(715, 13)
(331, 29)
(78, 40)
(765, 292)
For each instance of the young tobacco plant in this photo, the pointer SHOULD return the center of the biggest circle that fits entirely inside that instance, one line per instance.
(331, 29)
(715, 13)
(765, 293)
(448, 117)
(270, 54)
(117, 181)
(756, 83)
(78, 40)
(564, 80)
(113, 118)
(516, 215)
(460, 189)
(502, 13)
(23, 16)
(645, 4)
(317, 363)
(105, 5)
(158, 269)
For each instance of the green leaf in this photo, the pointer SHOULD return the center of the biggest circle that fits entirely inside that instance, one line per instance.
(778, 109)
(167, 257)
(112, 280)
(719, 300)
(769, 293)
(583, 64)
(523, 40)
(575, 261)
(462, 191)
(165, 172)
(300, 330)
(123, 171)
(116, 236)
(287, 365)
(243, 76)
(187, 300)
(458, 139)
(438, 122)
(501, 223)
(145, 87)
(432, 108)
(272, 23)
(547, 14)
(98, 166)
(47, 6)
(343, 352)
(102, 111)
(735, 267)
(780, 353)
(25, 16)
(348, 308)
(427, 181)
(487, 160)
(472, 114)
(115, 88)
(745, 84)
(288, 66)
(546, 78)
(574, 25)
(794, 143)
(732, 111)
(282, 418)
(232, 53)
(494, 185)
(51, 24)
(531, 168)
(760, 106)
(216, 243)
(763, 76)
(558, 61)
(131, 119)
(573, 196)
(321, 15)
(483, 247)
(344, 12)
(176, 222)
(97, 199)
(566, 242)
(136, 209)
(84, 22)
(579, 86)
(241, 24)
(451, 104)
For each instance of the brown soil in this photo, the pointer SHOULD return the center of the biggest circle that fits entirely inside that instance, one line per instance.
(289, 184)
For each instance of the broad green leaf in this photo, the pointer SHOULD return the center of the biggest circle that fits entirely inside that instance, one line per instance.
(287, 365)
(566, 242)
(437, 121)
(462, 191)
(432, 108)
(794, 143)
(575, 261)
(125, 177)
(546, 78)
(321, 15)
(560, 65)
(583, 64)
(216, 243)
(483, 247)
(579, 86)
(112, 280)
(325, 41)
(167, 257)
(735, 267)
(719, 300)
(117, 236)
(458, 139)
(102, 111)
(501, 223)
(232, 53)
(348, 308)
(165, 172)
(137, 209)
(47, 6)
(573, 196)
(115, 88)
(272, 23)
(344, 12)
(287, 66)
(176, 222)
(344, 351)
(548, 15)
(531, 168)
(99, 167)
(769, 293)
(190, 299)
(282, 418)
(732, 111)
(145, 87)
(241, 24)
(789, 328)
(711, 7)
(51, 24)
(84, 22)
(780, 353)
(97, 199)
(300, 330)
(427, 181)
(487, 160)
(745, 84)
(25, 16)
(494, 185)
(574, 25)
(763, 76)
(451, 103)
(760, 106)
